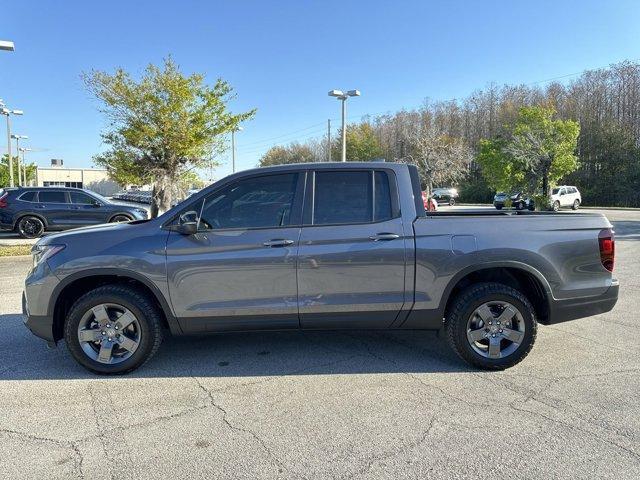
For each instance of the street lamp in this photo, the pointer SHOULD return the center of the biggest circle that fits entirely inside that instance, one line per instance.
(7, 112)
(7, 45)
(340, 95)
(24, 165)
(233, 147)
(18, 138)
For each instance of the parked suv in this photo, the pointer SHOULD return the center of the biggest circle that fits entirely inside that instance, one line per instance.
(445, 195)
(565, 196)
(31, 211)
(519, 201)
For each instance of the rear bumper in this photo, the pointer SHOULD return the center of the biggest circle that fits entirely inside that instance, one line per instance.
(40, 326)
(565, 310)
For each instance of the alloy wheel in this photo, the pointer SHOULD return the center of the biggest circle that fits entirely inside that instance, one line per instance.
(495, 329)
(109, 333)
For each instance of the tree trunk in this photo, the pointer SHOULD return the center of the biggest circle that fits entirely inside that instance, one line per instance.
(545, 183)
(161, 196)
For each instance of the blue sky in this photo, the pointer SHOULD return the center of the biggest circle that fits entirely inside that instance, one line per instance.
(283, 56)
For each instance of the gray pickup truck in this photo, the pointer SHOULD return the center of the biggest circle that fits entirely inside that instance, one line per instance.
(318, 246)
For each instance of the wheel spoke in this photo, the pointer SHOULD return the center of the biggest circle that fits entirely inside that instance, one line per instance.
(89, 335)
(105, 352)
(484, 312)
(125, 320)
(476, 335)
(100, 312)
(494, 347)
(128, 344)
(507, 314)
(514, 335)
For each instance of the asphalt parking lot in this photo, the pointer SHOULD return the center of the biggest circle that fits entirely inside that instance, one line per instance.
(331, 405)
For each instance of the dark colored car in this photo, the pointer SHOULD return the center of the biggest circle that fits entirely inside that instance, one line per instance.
(30, 211)
(446, 196)
(519, 201)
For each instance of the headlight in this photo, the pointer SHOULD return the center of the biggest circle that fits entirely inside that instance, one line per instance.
(41, 253)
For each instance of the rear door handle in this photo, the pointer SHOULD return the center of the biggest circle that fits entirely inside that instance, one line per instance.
(384, 236)
(278, 242)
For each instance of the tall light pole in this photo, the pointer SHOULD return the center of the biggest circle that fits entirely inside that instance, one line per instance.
(340, 95)
(233, 147)
(24, 165)
(18, 138)
(7, 45)
(5, 111)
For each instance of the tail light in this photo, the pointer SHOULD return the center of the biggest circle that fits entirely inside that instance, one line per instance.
(3, 200)
(607, 244)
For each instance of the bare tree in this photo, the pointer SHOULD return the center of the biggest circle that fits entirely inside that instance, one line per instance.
(440, 158)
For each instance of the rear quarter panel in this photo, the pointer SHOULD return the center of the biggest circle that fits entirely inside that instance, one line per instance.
(560, 249)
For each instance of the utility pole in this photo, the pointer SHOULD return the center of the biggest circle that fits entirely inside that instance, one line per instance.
(5, 111)
(329, 140)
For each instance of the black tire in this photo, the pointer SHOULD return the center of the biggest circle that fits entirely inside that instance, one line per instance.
(30, 227)
(498, 207)
(576, 204)
(520, 206)
(120, 218)
(556, 206)
(137, 302)
(452, 202)
(464, 306)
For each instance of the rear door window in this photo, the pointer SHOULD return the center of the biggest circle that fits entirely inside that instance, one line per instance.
(343, 197)
(52, 197)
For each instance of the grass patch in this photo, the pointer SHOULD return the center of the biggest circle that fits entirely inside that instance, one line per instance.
(13, 250)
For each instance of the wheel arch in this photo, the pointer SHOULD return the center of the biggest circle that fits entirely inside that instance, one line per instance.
(21, 215)
(524, 278)
(115, 214)
(74, 286)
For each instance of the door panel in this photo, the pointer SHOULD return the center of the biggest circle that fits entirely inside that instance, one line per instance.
(351, 259)
(54, 206)
(239, 271)
(346, 279)
(83, 211)
(232, 280)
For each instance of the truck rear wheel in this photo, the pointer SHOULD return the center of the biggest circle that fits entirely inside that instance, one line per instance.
(491, 326)
(113, 329)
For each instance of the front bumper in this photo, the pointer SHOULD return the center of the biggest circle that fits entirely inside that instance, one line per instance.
(565, 310)
(40, 325)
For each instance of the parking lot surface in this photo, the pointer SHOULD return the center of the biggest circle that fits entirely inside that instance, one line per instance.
(330, 405)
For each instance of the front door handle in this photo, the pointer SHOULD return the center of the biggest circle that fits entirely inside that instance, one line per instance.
(278, 242)
(384, 236)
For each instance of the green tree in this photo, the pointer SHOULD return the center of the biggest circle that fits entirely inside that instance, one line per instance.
(161, 125)
(4, 171)
(362, 144)
(292, 153)
(538, 150)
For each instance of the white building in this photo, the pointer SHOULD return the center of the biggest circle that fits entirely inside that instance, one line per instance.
(94, 179)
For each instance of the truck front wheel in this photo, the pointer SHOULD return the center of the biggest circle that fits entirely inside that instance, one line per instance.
(491, 326)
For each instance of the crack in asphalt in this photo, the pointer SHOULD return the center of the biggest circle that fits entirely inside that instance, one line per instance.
(77, 455)
(576, 428)
(393, 453)
(281, 468)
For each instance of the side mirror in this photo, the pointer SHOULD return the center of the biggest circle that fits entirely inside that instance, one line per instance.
(96, 204)
(188, 223)
(188, 228)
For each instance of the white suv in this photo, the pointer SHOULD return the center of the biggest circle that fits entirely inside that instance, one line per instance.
(565, 196)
